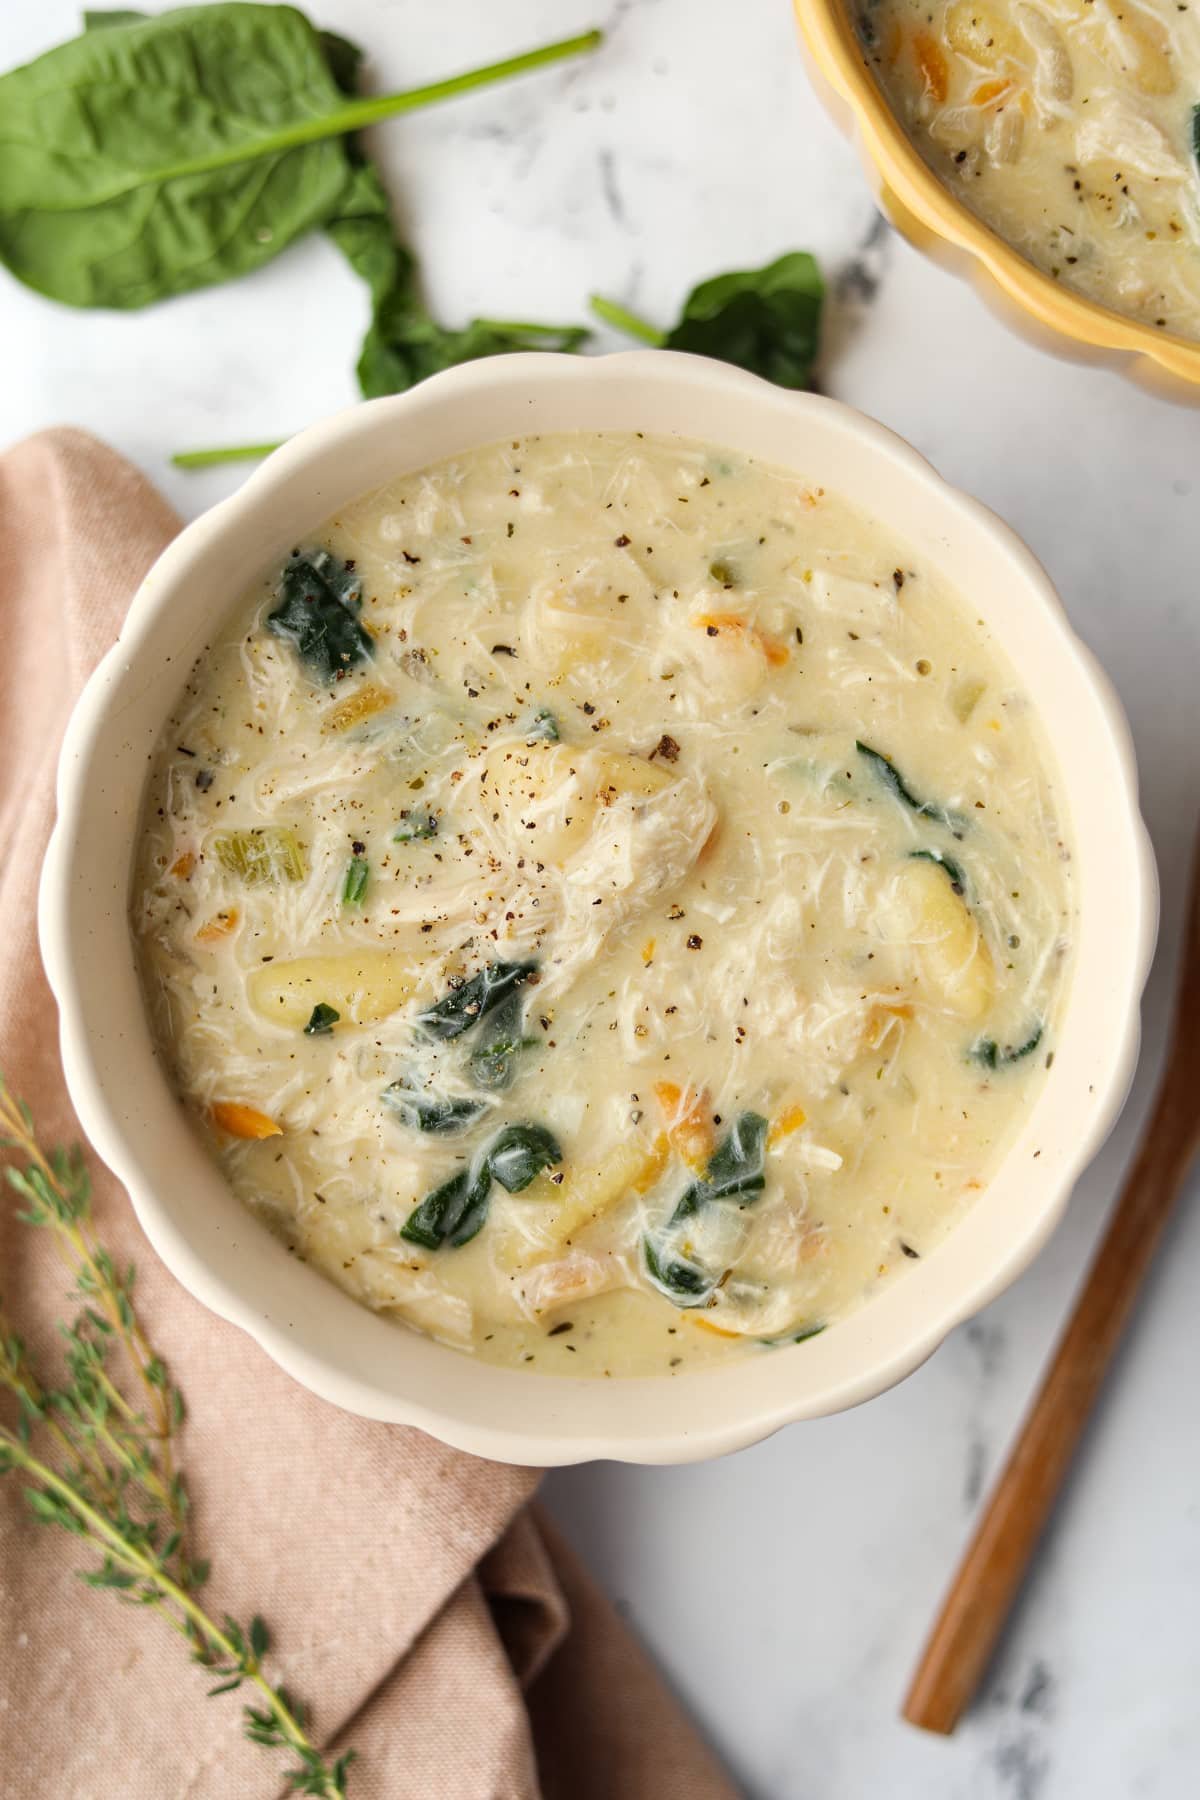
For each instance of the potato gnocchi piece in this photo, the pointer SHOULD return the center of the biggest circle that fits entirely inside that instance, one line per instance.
(954, 958)
(361, 985)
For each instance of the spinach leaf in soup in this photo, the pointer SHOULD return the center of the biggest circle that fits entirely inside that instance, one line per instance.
(990, 1054)
(439, 1114)
(319, 601)
(322, 1020)
(519, 1153)
(501, 1040)
(683, 1282)
(452, 1214)
(953, 870)
(889, 776)
(735, 1168)
(472, 1000)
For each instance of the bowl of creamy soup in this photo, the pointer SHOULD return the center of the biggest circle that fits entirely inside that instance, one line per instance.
(598, 907)
(1048, 145)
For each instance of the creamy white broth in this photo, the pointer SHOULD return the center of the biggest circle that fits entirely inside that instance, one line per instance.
(1067, 125)
(743, 982)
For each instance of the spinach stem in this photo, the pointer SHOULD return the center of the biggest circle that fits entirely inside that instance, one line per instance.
(208, 459)
(353, 115)
(623, 320)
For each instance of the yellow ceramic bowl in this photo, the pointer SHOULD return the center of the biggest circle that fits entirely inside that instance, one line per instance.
(931, 218)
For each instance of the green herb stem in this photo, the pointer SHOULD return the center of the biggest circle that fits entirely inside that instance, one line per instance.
(621, 319)
(209, 459)
(147, 1567)
(354, 115)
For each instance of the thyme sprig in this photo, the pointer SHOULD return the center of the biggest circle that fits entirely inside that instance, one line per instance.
(98, 1452)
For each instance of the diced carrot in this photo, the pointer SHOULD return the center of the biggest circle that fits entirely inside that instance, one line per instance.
(243, 1121)
(653, 1166)
(183, 865)
(218, 927)
(687, 1115)
(987, 91)
(792, 1119)
(707, 1325)
(362, 704)
(882, 1013)
(714, 623)
(931, 61)
(648, 951)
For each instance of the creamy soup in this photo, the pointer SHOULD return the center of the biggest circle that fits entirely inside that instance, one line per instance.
(605, 903)
(1068, 126)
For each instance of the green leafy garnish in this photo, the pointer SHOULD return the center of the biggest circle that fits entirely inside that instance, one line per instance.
(683, 1282)
(464, 1006)
(354, 887)
(453, 1214)
(735, 1167)
(766, 320)
(415, 829)
(991, 1055)
(322, 1020)
(494, 1060)
(954, 873)
(168, 153)
(403, 343)
(319, 600)
(543, 727)
(519, 1153)
(886, 771)
(261, 854)
(436, 1113)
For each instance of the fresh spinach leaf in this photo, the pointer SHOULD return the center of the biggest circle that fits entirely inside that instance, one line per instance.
(954, 873)
(494, 1060)
(322, 1020)
(464, 1006)
(125, 15)
(415, 828)
(991, 1055)
(887, 773)
(358, 876)
(435, 1113)
(544, 726)
(683, 1282)
(319, 600)
(453, 1214)
(162, 154)
(403, 343)
(766, 320)
(519, 1153)
(735, 1167)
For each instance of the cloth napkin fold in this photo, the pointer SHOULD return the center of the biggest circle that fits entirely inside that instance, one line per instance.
(431, 1616)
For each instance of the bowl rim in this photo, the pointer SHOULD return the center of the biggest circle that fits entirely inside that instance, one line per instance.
(975, 249)
(513, 378)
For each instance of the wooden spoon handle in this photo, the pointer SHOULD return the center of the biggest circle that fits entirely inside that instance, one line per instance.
(985, 1584)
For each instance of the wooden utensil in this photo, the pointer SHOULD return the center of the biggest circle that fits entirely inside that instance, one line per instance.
(985, 1584)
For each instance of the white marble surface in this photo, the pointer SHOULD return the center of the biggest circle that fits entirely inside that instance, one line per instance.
(786, 1590)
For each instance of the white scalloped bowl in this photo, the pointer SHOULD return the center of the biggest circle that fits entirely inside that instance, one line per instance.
(124, 1099)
